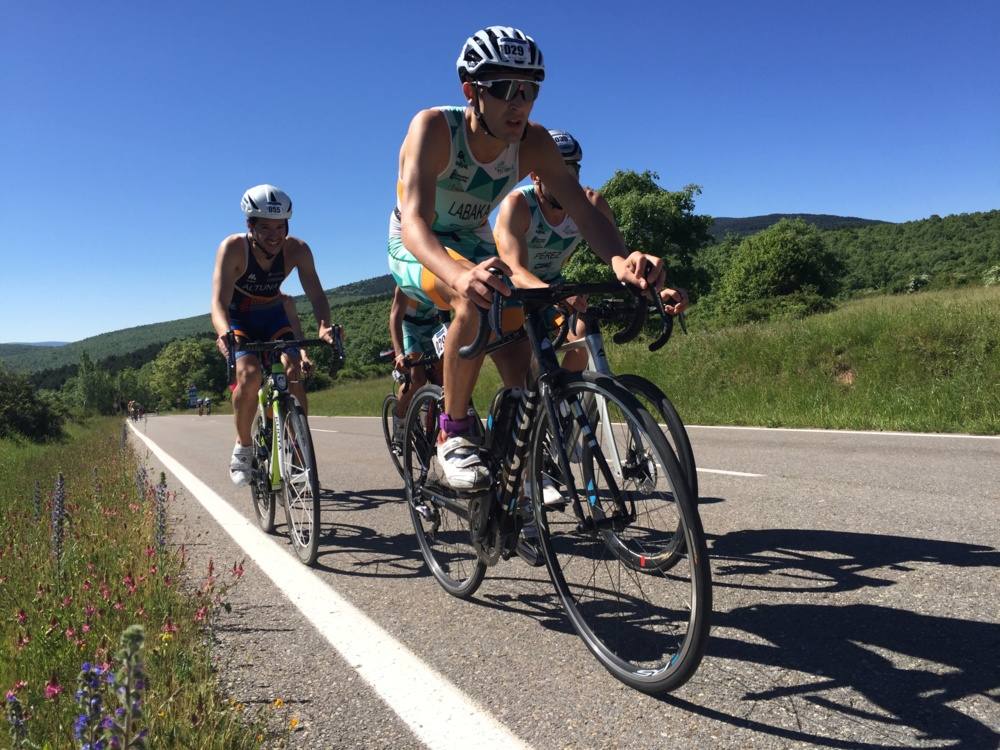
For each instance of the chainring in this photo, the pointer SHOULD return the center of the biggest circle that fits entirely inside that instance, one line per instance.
(484, 530)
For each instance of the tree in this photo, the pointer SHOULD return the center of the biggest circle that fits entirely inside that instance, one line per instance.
(784, 270)
(653, 220)
(183, 362)
(23, 412)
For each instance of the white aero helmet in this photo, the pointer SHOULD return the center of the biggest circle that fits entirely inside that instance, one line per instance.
(266, 202)
(499, 49)
(569, 146)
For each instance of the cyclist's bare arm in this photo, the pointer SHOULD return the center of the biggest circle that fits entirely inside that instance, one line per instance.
(510, 234)
(396, 313)
(424, 155)
(230, 263)
(311, 285)
(540, 155)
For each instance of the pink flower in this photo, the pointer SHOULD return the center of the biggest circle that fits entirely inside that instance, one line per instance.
(52, 689)
(150, 551)
(238, 569)
(199, 616)
(22, 617)
(87, 585)
(169, 626)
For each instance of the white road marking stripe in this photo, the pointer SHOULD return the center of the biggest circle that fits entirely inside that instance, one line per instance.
(317, 429)
(844, 432)
(432, 707)
(799, 429)
(730, 473)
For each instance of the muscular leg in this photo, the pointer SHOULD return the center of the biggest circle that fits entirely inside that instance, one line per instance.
(513, 362)
(576, 360)
(248, 381)
(293, 371)
(460, 374)
(417, 380)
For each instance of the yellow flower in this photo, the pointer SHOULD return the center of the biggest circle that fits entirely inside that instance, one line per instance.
(166, 637)
(278, 703)
(293, 722)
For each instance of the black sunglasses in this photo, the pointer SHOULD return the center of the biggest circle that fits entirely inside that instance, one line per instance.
(506, 89)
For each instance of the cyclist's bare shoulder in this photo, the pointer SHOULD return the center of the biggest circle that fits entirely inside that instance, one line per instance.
(232, 252)
(429, 138)
(535, 147)
(296, 250)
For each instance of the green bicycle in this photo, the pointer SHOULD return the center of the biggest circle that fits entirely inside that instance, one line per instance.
(284, 464)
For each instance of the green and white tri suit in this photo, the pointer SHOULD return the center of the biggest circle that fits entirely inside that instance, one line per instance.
(467, 191)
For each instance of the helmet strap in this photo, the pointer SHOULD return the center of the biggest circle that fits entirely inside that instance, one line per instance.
(478, 112)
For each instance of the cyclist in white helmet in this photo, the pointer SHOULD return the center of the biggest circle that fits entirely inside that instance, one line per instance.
(455, 165)
(247, 302)
(536, 236)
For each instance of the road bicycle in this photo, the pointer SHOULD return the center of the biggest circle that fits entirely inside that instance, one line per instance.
(284, 469)
(606, 545)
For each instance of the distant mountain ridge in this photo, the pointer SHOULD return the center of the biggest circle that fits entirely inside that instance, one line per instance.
(742, 226)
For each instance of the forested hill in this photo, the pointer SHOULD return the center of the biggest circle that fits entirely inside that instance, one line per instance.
(34, 357)
(725, 225)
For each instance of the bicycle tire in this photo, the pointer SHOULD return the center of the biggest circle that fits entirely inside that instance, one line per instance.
(680, 442)
(300, 483)
(260, 477)
(443, 535)
(652, 647)
(388, 410)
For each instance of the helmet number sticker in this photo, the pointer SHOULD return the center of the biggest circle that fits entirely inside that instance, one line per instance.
(514, 50)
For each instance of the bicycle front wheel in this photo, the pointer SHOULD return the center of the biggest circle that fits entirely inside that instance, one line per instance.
(300, 483)
(646, 623)
(388, 410)
(260, 481)
(442, 532)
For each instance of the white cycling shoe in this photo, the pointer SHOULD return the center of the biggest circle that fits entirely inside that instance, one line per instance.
(460, 462)
(241, 464)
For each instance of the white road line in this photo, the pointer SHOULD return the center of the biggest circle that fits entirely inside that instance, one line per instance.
(431, 706)
(844, 432)
(317, 429)
(730, 473)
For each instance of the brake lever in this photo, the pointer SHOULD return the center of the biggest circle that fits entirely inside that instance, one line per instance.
(667, 327)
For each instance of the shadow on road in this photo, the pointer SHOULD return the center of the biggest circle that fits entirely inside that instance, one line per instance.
(798, 560)
(906, 666)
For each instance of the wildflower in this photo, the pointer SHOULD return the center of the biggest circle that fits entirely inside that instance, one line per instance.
(52, 688)
(89, 611)
(85, 628)
(169, 626)
(87, 585)
(23, 639)
(150, 551)
(237, 569)
(199, 616)
(166, 637)
(293, 723)
(70, 633)
(67, 600)
(58, 517)
(278, 703)
(21, 617)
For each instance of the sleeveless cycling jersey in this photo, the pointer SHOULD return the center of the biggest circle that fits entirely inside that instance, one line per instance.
(258, 286)
(467, 191)
(549, 247)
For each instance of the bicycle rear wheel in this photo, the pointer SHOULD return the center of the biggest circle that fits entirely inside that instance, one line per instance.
(388, 410)
(646, 623)
(260, 481)
(442, 532)
(660, 407)
(300, 483)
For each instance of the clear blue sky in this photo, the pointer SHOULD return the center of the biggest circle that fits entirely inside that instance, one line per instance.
(129, 130)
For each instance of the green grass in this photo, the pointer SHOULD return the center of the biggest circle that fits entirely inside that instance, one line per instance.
(59, 612)
(926, 362)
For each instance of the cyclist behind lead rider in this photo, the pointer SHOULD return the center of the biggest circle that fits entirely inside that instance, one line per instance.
(456, 164)
(412, 330)
(536, 237)
(247, 302)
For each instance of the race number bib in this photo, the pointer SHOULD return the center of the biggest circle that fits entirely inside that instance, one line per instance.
(438, 339)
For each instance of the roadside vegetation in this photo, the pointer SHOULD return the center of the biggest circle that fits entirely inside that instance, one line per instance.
(774, 270)
(103, 634)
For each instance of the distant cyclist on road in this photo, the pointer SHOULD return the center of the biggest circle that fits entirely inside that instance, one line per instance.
(247, 302)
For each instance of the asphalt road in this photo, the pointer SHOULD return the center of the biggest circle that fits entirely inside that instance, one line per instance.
(855, 602)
